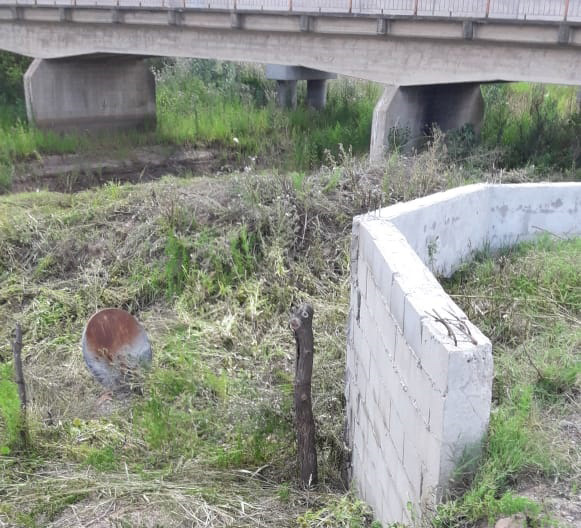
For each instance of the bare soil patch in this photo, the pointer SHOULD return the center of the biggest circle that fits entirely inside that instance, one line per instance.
(76, 172)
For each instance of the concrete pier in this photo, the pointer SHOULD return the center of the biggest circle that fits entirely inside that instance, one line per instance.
(317, 93)
(287, 77)
(90, 93)
(405, 113)
(286, 94)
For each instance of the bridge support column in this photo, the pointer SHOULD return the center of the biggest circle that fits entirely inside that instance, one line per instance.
(317, 93)
(286, 94)
(90, 93)
(404, 113)
(287, 77)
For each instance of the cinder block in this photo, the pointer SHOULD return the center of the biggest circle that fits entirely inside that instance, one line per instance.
(380, 393)
(419, 306)
(434, 354)
(404, 358)
(394, 512)
(362, 356)
(430, 450)
(467, 405)
(436, 415)
(397, 301)
(421, 390)
(379, 308)
(390, 455)
(397, 432)
(362, 272)
(376, 258)
(355, 249)
(359, 430)
(350, 361)
(413, 467)
(404, 487)
(370, 328)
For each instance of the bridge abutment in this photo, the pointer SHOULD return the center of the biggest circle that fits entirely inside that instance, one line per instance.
(287, 77)
(404, 113)
(90, 93)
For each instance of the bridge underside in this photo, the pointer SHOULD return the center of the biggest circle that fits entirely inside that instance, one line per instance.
(412, 56)
(397, 52)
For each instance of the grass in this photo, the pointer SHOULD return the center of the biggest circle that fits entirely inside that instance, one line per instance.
(527, 300)
(533, 124)
(218, 105)
(211, 267)
(231, 108)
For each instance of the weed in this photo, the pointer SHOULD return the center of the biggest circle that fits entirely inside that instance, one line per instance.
(103, 459)
(532, 124)
(9, 411)
(342, 513)
(177, 265)
(526, 299)
(6, 175)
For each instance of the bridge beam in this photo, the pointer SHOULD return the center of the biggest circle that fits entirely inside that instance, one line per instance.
(404, 113)
(90, 93)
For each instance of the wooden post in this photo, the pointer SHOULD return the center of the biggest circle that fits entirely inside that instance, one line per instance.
(301, 323)
(19, 379)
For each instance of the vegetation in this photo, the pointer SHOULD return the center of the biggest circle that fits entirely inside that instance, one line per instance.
(211, 267)
(231, 107)
(527, 300)
(533, 124)
(221, 105)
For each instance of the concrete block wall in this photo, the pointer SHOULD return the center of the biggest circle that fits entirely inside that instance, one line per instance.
(418, 373)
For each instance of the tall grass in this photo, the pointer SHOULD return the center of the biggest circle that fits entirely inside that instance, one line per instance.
(214, 103)
(232, 107)
(533, 124)
(223, 105)
(526, 299)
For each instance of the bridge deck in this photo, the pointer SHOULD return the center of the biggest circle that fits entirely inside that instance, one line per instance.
(538, 10)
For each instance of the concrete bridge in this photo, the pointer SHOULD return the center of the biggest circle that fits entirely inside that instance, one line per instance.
(432, 54)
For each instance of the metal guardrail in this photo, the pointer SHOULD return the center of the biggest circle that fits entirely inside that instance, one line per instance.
(548, 10)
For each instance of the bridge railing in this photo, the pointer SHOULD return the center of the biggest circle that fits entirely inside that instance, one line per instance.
(498, 9)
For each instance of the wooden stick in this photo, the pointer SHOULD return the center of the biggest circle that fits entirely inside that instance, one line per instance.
(20, 383)
(301, 323)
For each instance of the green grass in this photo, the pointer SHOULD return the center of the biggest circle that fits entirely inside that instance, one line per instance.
(533, 124)
(218, 105)
(212, 103)
(211, 266)
(527, 299)
(9, 411)
(231, 108)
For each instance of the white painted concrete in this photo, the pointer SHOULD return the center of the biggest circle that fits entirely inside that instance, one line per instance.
(418, 395)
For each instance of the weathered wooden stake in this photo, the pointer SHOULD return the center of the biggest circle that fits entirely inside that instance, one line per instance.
(19, 379)
(301, 323)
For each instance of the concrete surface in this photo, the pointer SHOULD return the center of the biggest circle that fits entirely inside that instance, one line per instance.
(296, 73)
(287, 77)
(397, 51)
(418, 391)
(90, 94)
(317, 94)
(404, 114)
(286, 94)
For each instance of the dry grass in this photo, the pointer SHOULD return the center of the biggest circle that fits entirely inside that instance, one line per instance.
(211, 266)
